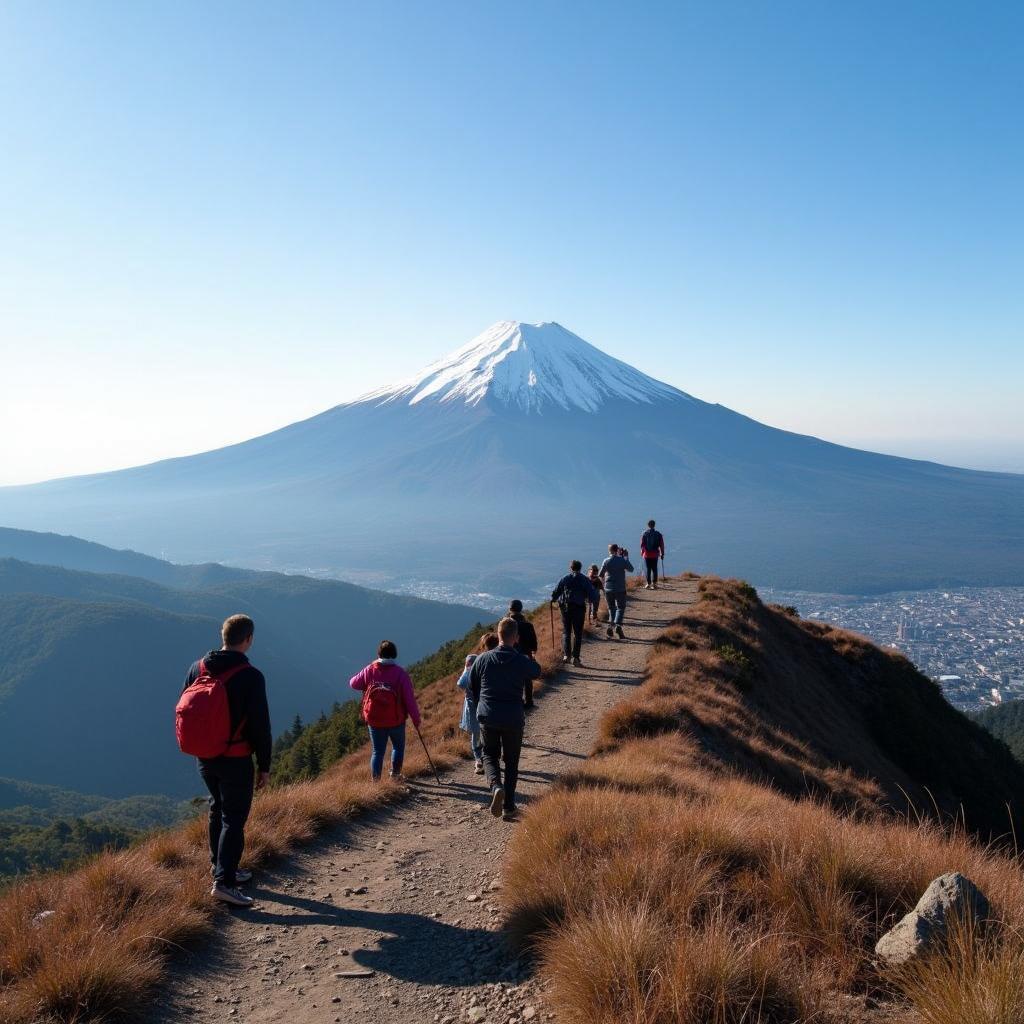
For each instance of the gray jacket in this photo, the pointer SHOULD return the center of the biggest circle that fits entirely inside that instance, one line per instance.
(613, 572)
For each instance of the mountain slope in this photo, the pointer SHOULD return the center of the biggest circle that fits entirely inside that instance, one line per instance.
(1006, 723)
(529, 436)
(689, 878)
(90, 664)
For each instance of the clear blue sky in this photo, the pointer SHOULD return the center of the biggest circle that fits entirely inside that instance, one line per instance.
(216, 218)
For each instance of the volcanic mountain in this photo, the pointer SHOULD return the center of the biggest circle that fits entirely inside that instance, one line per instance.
(528, 446)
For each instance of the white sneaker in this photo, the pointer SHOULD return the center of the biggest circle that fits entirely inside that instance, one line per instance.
(235, 897)
(497, 802)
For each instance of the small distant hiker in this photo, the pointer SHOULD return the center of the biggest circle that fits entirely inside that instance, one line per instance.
(613, 572)
(497, 681)
(597, 583)
(222, 718)
(574, 594)
(525, 644)
(388, 699)
(652, 546)
(468, 722)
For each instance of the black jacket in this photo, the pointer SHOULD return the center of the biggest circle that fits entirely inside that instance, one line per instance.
(527, 642)
(496, 681)
(247, 700)
(577, 589)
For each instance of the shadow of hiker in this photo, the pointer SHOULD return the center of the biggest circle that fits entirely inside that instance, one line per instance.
(413, 947)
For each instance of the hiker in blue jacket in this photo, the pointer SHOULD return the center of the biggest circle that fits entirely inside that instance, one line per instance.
(613, 572)
(574, 594)
(497, 680)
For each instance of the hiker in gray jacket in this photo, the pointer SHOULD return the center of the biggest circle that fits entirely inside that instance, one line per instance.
(497, 680)
(613, 572)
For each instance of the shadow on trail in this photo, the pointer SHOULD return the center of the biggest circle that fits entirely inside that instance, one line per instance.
(413, 947)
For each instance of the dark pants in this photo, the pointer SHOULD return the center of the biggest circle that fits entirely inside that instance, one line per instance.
(652, 569)
(229, 780)
(573, 619)
(528, 693)
(504, 743)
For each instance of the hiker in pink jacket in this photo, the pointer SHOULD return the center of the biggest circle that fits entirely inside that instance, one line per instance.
(388, 699)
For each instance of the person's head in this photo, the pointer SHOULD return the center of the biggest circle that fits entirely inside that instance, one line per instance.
(575, 565)
(650, 523)
(387, 649)
(613, 549)
(508, 631)
(487, 643)
(515, 607)
(237, 632)
(594, 570)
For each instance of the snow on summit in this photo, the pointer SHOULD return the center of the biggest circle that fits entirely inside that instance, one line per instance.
(529, 367)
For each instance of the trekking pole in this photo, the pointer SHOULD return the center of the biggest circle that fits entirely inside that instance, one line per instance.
(663, 567)
(427, 752)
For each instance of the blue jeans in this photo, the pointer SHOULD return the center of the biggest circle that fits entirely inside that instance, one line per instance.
(616, 601)
(379, 740)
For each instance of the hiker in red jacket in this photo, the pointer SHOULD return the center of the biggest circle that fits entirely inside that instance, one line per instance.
(652, 545)
(388, 699)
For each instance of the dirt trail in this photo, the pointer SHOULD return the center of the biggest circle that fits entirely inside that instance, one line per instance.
(390, 919)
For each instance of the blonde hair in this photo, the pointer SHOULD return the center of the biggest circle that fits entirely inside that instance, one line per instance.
(508, 628)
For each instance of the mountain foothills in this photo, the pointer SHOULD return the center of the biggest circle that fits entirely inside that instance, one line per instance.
(525, 437)
(91, 663)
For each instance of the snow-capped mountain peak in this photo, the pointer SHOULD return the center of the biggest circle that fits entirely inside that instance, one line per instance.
(527, 367)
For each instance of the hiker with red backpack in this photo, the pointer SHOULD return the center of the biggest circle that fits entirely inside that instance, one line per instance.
(388, 700)
(652, 546)
(222, 718)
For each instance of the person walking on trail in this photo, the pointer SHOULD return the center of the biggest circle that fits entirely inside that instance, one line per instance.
(388, 700)
(223, 718)
(497, 681)
(613, 572)
(597, 583)
(574, 594)
(525, 644)
(652, 546)
(468, 722)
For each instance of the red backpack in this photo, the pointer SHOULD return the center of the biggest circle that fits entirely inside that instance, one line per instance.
(383, 707)
(202, 719)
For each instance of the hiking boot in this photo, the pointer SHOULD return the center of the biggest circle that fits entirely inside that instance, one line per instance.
(478, 768)
(241, 875)
(611, 632)
(577, 663)
(235, 897)
(565, 659)
(647, 586)
(528, 705)
(619, 633)
(510, 815)
(497, 801)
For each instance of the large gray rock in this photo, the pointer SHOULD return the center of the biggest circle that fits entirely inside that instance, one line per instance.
(949, 898)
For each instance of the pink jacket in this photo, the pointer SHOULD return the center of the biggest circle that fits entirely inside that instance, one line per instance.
(396, 677)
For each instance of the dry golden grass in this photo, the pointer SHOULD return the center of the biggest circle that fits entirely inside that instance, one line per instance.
(119, 917)
(686, 879)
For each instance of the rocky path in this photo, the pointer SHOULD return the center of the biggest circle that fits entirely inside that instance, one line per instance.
(391, 919)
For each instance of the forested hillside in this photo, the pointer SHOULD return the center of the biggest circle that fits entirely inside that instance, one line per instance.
(1005, 722)
(91, 664)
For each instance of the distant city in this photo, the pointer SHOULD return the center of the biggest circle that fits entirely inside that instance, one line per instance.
(968, 639)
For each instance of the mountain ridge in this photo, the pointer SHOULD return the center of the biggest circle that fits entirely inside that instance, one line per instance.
(384, 491)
